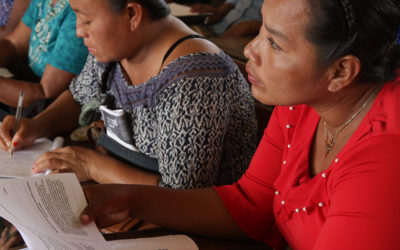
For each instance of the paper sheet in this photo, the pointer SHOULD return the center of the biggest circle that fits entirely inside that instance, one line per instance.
(169, 242)
(5, 73)
(46, 211)
(179, 10)
(22, 161)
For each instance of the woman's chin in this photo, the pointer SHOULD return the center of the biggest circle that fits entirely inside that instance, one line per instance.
(260, 94)
(257, 93)
(103, 59)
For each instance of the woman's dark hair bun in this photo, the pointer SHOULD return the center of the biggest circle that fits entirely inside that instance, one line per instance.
(367, 29)
(157, 8)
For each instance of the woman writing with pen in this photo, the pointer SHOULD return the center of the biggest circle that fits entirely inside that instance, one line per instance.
(17, 118)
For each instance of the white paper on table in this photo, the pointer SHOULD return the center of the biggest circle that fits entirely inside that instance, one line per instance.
(5, 73)
(20, 164)
(173, 242)
(46, 210)
(179, 10)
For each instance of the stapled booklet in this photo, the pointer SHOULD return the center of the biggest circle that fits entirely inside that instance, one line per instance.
(46, 210)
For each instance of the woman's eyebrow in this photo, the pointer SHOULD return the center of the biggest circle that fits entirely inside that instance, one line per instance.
(79, 11)
(275, 32)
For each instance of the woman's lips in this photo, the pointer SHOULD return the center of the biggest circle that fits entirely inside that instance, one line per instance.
(90, 49)
(253, 80)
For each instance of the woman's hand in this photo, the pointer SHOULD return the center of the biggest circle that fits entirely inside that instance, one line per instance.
(78, 160)
(107, 204)
(24, 137)
(9, 238)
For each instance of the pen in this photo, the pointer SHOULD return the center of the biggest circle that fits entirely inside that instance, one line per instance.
(206, 20)
(57, 143)
(17, 118)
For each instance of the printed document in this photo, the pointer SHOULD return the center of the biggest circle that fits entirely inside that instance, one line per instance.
(180, 10)
(46, 210)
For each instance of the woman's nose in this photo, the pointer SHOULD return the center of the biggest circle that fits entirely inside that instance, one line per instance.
(80, 31)
(250, 51)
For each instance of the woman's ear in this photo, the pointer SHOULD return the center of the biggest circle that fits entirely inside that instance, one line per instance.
(135, 13)
(343, 72)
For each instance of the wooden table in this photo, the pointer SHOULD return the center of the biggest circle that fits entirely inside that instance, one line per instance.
(203, 243)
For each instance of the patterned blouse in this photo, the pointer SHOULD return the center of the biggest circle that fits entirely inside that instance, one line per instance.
(53, 38)
(196, 117)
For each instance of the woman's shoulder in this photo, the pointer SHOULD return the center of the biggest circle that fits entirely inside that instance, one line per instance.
(189, 43)
(202, 64)
(384, 114)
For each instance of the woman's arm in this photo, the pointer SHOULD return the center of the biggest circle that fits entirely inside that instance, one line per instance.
(198, 211)
(59, 117)
(88, 164)
(16, 14)
(14, 48)
(54, 81)
(106, 169)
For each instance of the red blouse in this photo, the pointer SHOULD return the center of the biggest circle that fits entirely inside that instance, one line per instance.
(354, 204)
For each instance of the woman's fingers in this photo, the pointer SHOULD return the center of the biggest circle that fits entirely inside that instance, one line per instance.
(51, 160)
(105, 206)
(95, 206)
(23, 137)
(6, 129)
(64, 160)
(9, 237)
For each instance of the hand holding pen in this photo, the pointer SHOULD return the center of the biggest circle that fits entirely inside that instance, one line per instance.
(17, 118)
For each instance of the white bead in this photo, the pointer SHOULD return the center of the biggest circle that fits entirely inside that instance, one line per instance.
(321, 204)
(277, 192)
(291, 108)
(284, 162)
(324, 175)
(336, 160)
(297, 210)
(288, 145)
(288, 126)
(304, 209)
(283, 202)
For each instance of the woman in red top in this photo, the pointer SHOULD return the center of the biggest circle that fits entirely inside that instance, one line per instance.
(325, 175)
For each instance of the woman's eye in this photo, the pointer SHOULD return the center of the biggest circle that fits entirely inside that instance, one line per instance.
(273, 44)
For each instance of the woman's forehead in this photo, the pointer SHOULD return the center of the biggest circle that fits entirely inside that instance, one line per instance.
(285, 14)
(89, 6)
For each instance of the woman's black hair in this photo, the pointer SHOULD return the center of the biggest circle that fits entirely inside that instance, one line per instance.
(367, 29)
(157, 8)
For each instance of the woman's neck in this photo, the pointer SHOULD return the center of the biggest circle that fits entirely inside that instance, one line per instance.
(338, 123)
(342, 106)
(147, 57)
